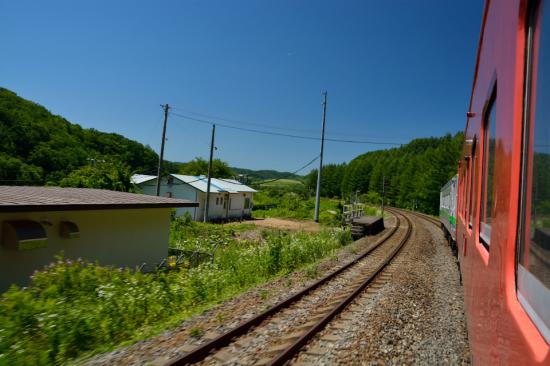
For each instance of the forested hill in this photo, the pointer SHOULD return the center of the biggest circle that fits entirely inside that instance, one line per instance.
(415, 173)
(38, 147)
(261, 175)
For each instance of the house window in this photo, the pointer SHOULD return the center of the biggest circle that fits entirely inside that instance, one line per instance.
(533, 268)
(217, 201)
(246, 203)
(488, 171)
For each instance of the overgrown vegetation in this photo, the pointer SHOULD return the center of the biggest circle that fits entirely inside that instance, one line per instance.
(297, 202)
(73, 307)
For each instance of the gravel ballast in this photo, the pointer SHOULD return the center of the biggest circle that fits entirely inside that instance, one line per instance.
(417, 317)
(413, 315)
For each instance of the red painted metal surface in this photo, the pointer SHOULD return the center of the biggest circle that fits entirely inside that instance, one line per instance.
(499, 329)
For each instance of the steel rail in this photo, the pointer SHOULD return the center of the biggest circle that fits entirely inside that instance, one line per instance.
(202, 351)
(293, 349)
(424, 216)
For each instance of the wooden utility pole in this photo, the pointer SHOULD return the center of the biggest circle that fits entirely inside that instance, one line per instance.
(318, 193)
(209, 174)
(166, 107)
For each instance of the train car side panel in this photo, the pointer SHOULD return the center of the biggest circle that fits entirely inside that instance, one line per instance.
(500, 330)
(447, 207)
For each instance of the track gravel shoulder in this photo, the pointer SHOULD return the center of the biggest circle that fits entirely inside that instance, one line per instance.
(420, 317)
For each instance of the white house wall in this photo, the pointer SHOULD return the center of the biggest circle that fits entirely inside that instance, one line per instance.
(122, 238)
(215, 211)
(178, 190)
(236, 208)
(181, 190)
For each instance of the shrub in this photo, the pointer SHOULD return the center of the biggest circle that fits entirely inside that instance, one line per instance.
(73, 307)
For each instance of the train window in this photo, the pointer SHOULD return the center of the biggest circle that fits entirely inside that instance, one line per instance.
(473, 180)
(533, 270)
(466, 190)
(488, 170)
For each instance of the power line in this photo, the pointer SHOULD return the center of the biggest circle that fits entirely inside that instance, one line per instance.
(269, 126)
(294, 172)
(263, 132)
(217, 118)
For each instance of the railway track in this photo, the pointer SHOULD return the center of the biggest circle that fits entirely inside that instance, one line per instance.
(425, 217)
(278, 334)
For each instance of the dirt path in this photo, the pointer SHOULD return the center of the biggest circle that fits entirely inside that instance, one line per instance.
(286, 224)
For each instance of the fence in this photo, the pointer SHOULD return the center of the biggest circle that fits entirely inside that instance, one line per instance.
(352, 211)
(179, 258)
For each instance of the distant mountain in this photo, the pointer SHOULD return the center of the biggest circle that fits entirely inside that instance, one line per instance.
(261, 175)
(38, 147)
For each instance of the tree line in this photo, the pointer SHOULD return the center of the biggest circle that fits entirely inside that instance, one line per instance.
(414, 173)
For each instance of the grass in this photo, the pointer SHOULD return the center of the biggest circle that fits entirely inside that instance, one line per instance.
(281, 183)
(294, 206)
(73, 308)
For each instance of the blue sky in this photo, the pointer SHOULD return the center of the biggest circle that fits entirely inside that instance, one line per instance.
(394, 70)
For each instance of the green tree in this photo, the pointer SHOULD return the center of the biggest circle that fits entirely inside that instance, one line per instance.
(199, 166)
(104, 175)
(48, 147)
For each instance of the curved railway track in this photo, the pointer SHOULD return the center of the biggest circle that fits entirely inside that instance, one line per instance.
(423, 216)
(318, 304)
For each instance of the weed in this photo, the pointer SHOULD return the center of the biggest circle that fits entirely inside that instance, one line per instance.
(196, 332)
(220, 317)
(264, 294)
(312, 272)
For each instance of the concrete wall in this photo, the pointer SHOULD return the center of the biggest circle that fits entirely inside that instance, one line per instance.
(112, 237)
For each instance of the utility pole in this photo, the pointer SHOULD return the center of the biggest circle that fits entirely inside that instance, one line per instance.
(318, 193)
(209, 174)
(166, 107)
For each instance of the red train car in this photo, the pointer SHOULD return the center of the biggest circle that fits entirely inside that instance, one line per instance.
(503, 209)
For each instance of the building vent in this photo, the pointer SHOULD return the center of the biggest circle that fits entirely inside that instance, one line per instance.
(23, 235)
(68, 230)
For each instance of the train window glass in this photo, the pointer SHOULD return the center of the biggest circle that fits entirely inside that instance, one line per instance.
(464, 189)
(467, 193)
(473, 180)
(533, 272)
(488, 169)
